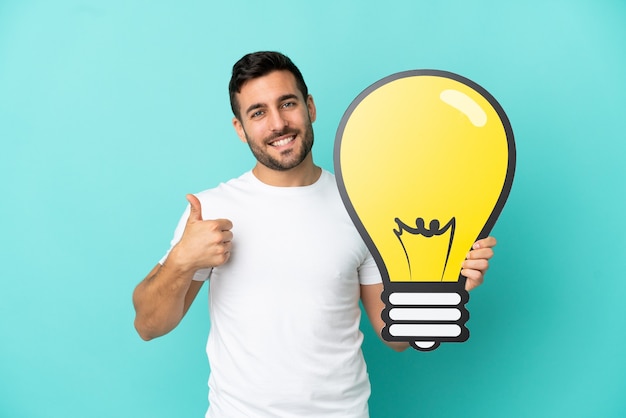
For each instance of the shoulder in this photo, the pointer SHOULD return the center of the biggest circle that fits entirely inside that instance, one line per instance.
(221, 199)
(242, 182)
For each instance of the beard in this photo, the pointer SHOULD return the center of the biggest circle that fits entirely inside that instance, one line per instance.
(288, 159)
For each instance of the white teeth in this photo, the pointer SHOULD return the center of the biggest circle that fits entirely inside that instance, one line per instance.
(282, 142)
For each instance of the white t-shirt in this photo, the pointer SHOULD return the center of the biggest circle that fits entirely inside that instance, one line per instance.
(285, 338)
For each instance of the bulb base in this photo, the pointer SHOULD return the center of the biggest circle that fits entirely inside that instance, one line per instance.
(425, 314)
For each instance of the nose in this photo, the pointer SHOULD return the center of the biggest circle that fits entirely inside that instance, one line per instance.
(277, 122)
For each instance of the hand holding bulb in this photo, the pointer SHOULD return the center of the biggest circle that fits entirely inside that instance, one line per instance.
(476, 263)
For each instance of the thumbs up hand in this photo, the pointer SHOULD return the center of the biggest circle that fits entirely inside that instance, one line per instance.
(205, 243)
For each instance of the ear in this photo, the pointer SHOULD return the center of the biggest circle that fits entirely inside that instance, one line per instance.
(310, 104)
(241, 133)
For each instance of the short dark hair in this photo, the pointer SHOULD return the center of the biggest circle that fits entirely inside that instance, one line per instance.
(259, 64)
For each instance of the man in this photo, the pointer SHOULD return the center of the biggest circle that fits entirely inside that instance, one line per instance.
(287, 267)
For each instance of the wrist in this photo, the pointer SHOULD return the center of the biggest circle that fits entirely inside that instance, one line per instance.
(177, 262)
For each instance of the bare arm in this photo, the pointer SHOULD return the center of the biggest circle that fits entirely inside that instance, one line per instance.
(164, 296)
(162, 299)
(374, 305)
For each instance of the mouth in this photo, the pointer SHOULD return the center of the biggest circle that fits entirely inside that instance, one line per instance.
(282, 141)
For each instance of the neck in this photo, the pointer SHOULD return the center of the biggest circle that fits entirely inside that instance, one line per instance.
(304, 174)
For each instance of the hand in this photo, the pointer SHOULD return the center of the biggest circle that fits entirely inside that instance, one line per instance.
(477, 262)
(205, 243)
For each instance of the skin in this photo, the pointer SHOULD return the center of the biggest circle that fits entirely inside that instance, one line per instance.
(276, 123)
(272, 108)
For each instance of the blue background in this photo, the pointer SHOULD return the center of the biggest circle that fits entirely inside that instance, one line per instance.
(110, 111)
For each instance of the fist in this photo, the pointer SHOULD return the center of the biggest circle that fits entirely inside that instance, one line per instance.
(205, 243)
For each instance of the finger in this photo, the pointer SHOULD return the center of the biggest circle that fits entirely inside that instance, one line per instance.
(224, 224)
(488, 242)
(485, 253)
(481, 265)
(218, 237)
(223, 254)
(195, 211)
(227, 236)
(474, 278)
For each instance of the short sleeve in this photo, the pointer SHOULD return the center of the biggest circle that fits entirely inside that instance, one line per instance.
(368, 271)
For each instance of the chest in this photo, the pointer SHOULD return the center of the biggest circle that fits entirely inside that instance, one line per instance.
(303, 245)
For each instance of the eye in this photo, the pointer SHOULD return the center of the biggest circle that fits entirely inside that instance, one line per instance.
(288, 104)
(257, 114)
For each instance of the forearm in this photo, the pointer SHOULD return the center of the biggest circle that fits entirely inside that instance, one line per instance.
(373, 304)
(161, 300)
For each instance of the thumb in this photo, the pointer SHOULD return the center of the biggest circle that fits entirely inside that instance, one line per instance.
(195, 213)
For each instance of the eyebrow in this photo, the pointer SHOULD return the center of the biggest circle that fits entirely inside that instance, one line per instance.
(280, 99)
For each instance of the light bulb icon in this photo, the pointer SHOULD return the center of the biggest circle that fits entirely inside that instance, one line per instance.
(424, 161)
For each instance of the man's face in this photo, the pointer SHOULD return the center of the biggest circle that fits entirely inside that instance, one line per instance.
(276, 120)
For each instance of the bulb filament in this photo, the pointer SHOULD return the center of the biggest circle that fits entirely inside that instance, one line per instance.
(433, 229)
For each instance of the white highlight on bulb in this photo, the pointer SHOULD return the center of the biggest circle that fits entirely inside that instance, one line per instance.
(465, 104)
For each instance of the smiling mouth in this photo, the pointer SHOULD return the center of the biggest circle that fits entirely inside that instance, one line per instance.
(283, 141)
